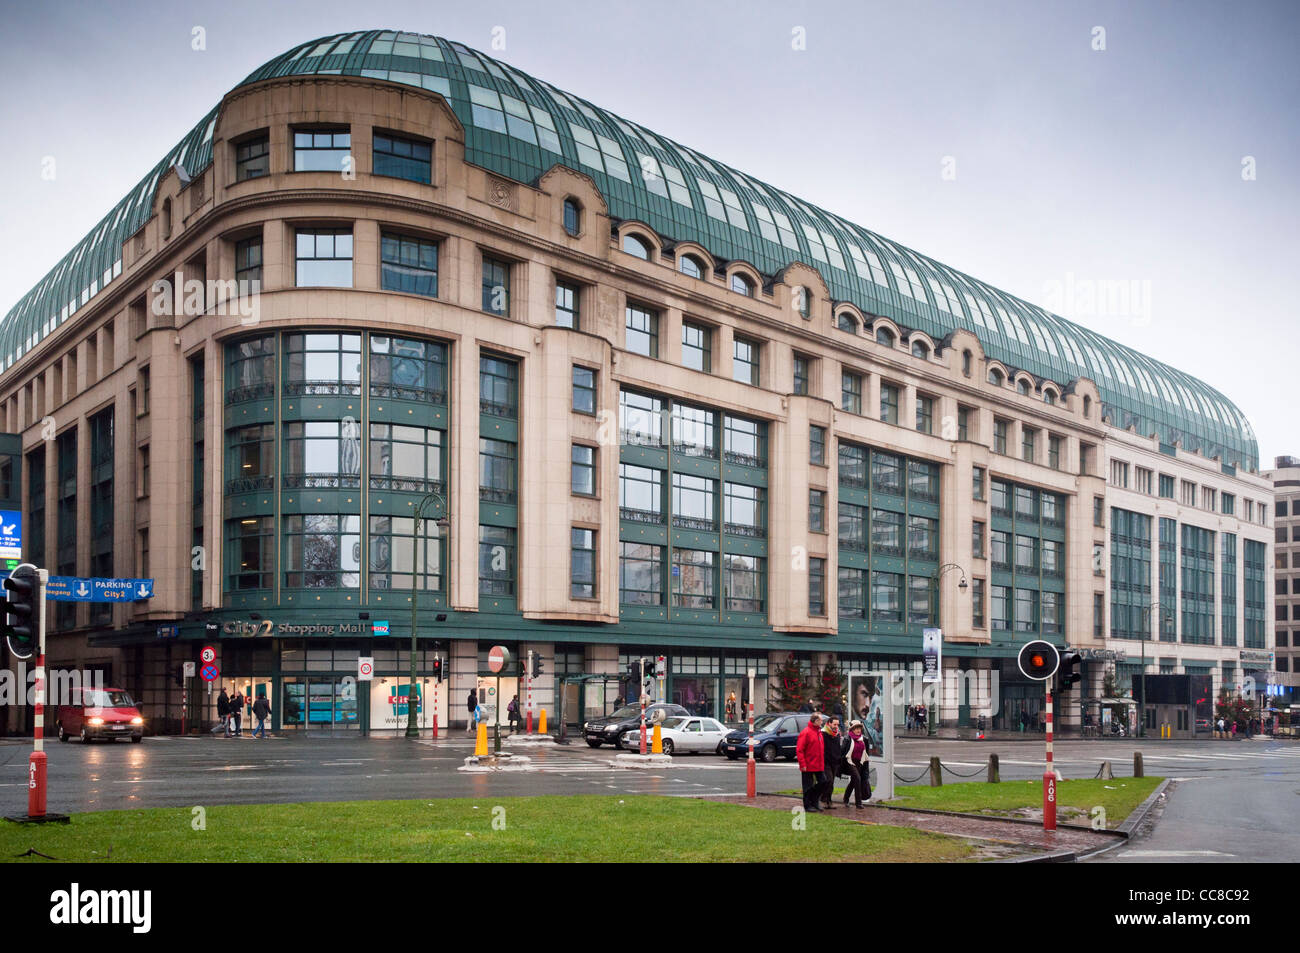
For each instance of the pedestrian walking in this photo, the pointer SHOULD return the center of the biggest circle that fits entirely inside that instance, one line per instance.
(472, 704)
(833, 755)
(223, 713)
(512, 710)
(1024, 719)
(730, 714)
(805, 708)
(237, 713)
(857, 766)
(262, 711)
(809, 751)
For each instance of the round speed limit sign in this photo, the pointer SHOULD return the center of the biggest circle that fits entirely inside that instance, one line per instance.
(209, 654)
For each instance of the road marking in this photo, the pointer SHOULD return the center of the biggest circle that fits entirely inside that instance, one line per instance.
(1176, 853)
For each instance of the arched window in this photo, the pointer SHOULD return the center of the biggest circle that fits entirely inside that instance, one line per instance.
(885, 336)
(965, 362)
(995, 377)
(847, 322)
(1022, 387)
(801, 298)
(742, 285)
(690, 266)
(635, 245)
(1049, 397)
(1087, 406)
(920, 350)
(572, 217)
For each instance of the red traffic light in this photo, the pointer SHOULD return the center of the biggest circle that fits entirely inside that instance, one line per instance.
(1038, 660)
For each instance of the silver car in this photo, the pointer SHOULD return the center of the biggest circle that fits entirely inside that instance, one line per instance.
(683, 733)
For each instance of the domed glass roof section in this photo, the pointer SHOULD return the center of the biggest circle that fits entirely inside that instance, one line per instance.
(519, 127)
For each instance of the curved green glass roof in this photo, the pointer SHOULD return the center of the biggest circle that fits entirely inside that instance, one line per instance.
(519, 126)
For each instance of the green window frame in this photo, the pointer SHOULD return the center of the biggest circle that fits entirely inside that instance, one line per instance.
(400, 157)
(640, 574)
(582, 475)
(496, 286)
(697, 346)
(250, 553)
(745, 583)
(408, 369)
(498, 471)
(321, 364)
(393, 551)
(496, 560)
(406, 458)
(319, 550)
(567, 304)
(584, 390)
(582, 563)
(498, 387)
(695, 579)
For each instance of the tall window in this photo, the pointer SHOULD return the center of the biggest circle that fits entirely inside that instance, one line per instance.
(566, 305)
(250, 543)
(977, 603)
(322, 150)
(889, 403)
(496, 560)
(584, 390)
(977, 483)
(322, 551)
(744, 509)
(322, 363)
(496, 286)
(697, 346)
(999, 435)
(816, 586)
(744, 365)
(744, 582)
(694, 576)
(817, 511)
(851, 392)
(963, 423)
(1054, 452)
(408, 264)
(498, 471)
(925, 414)
(101, 507)
(582, 563)
(642, 330)
(403, 158)
(817, 445)
(572, 217)
(801, 370)
(498, 387)
(324, 258)
(977, 539)
(886, 596)
(640, 574)
(405, 458)
(248, 262)
(583, 476)
(1028, 444)
(253, 158)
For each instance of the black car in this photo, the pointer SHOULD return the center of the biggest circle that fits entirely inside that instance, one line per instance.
(775, 734)
(610, 728)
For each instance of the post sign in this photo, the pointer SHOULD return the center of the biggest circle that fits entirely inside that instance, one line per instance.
(209, 654)
(498, 658)
(932, 653)
(209, 673)
(187, 669)
(11, 538)
(365, 668)
(87, 589)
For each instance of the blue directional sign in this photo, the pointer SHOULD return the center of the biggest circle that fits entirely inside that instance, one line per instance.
(83, 589)
(11, 536)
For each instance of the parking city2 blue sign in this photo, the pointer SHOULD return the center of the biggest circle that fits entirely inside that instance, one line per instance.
(83, 589)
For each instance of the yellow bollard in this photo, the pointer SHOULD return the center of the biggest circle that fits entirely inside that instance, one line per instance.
(480, 743)
(541, 724)
(656, 741)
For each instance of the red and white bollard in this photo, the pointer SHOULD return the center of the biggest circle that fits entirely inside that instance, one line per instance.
(751, 769)
(1049, 776)
(435, 709)
(529, 726)
(37, 765)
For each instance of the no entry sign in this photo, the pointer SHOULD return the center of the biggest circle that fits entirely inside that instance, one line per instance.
(498, 656)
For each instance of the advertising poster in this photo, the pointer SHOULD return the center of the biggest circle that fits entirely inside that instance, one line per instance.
(932, 653)
(871, 702)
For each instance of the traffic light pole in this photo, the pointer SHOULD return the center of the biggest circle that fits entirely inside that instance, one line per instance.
(1049, 774)
(641, 685)
(36, 770)
(528, 728)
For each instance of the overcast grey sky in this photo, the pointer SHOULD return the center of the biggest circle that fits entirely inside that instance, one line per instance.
(993, 136)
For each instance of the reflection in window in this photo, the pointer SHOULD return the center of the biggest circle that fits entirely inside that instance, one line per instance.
(320, 363)
(409, 265)
(408, 369)
(393, 553)
(322, 551)
(322, 454)
(405, 458)
(322, 150)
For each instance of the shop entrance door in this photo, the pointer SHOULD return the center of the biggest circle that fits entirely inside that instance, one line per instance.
(320, 703)
(494, 707)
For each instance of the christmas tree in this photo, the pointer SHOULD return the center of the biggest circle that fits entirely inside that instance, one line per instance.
(831, 689)
(789, 689)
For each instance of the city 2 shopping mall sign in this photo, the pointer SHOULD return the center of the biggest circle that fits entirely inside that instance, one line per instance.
(265, 628)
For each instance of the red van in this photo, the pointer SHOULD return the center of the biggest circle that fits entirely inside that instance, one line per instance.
(100, 713)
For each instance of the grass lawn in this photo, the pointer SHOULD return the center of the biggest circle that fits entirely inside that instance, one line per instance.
(1075, 799)
(579, 828)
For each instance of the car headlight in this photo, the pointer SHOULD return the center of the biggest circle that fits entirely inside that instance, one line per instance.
(137, 720)
(96, 720)
(613, 729)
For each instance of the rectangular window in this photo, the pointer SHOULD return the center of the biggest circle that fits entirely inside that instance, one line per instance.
(496, 286)
(582, 564)
(886, 596)
(322, 150)
(1054, 451)
(1026, 610)
(403, 158)
(920, 600)
(977, 540)
(253, 158)
(999, 435)
(405, 458)
(1119, 474)
(817, 511)
(963, 423)
(694, 431)
(697, 346)
(583, 476)
(853, 527)
(251, 545)
(1052, 623)
(248, 263)
(1001, 608)
(1028, 443)
(889, 403)
(695, 502)
(977, 603)
(744, 364)
(922, 537)
(566, 306)
(744, 510)
(925, 414)
(744, 442)
(1027, 554)
(640, 574)
(1000, 549)
(322, 551)
(816, 587)
(1098, 615)
(1166, 486)
(977, 483)
(394, 554)
(323, 258)
(886, 533)
(1098, 511)
(321, 454)
(408, 265)
(1000, 498)
(850, 392)
(408, 369)
(852, 593)
(497, 471)
(1229, 502)
(640, 419)
(695, 582)
(801, 373)
(496, 560)
(745, 583)
(322, 364)
(640, 493)
(498, 387)
(142, 461)
(817, 445)
(1189, 493)
(886, 473)
(584, 390)
(1142, 480)
(642, 330)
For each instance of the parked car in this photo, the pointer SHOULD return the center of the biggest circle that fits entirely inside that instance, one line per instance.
(690, 733)
(775, 735)
(611, 728)
(100, 713)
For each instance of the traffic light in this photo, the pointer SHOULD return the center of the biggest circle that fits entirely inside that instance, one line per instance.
(538, 666)
(1038, 660)
(650, 668)
(1069, 662)
(20, 627)
(437, 668)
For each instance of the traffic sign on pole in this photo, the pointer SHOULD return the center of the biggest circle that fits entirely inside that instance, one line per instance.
(209, 673)
(365, 669)
(498, 658)
(209, 654)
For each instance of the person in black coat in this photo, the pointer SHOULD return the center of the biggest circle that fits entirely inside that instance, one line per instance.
(472, 704)
(223, 712)
(833, 753)
(856, 765)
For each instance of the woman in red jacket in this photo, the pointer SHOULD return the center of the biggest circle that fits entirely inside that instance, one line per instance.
(810, 752)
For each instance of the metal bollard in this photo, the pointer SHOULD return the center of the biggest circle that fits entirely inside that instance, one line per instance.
(936, 773)
(994, 777)
(1137, 765)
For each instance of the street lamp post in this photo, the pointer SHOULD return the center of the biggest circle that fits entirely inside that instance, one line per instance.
(932, 726)
(435, 499)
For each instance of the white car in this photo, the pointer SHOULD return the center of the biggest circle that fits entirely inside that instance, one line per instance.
(682, 733)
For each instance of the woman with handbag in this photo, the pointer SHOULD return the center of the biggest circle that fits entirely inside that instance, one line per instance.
(857, 765)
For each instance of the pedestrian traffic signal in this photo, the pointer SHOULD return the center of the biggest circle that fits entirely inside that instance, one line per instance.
(437, 668)
(1069, 662)
(21, 623)
(1038, 660)
(538, 666)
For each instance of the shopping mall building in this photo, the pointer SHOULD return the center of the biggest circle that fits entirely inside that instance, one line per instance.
(650, 406)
